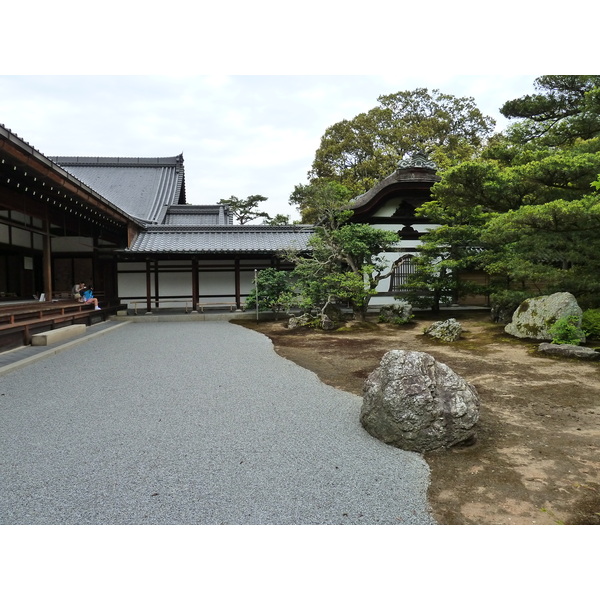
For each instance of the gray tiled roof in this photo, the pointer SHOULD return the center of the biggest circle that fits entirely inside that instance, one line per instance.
(222, 239)
(142, 187)
(201, 214)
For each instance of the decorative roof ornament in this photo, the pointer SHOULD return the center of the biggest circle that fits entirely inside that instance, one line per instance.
(418, 160)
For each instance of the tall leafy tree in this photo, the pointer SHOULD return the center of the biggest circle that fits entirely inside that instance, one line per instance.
(360, 151)
(524, 211)
(566, 108)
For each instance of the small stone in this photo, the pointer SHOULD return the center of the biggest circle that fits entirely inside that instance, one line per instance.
(446, 331)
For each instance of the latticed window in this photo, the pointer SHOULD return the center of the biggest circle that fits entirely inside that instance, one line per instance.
(400, 274)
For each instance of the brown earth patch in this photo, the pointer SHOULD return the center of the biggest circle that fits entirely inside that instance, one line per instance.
(536, 458)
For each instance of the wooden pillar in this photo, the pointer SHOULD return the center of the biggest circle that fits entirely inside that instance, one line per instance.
(47, 259)
(195, 285)
(148, 287)
(156, 290)
(238, 287)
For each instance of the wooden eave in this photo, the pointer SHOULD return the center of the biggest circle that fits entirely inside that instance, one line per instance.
(36, 178)
(402, 187)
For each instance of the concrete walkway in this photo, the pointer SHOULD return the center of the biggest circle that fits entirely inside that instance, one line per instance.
(191, 423)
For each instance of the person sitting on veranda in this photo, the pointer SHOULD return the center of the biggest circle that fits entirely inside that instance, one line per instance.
(76, 292)
(87, 296)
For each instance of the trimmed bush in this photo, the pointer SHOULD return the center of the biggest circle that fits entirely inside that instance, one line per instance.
(567, 331)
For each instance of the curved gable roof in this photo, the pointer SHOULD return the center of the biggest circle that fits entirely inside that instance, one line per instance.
(413, 173)
(142, 187)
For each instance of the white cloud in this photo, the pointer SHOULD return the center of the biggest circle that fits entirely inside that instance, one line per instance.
(240, 135)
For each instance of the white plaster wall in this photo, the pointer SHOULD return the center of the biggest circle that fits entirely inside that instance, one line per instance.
(217, 283)
(389, 208)
(131, 285)
(246, 282)
(175, 284)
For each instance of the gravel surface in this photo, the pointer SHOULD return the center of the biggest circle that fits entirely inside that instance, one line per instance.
(193, 423)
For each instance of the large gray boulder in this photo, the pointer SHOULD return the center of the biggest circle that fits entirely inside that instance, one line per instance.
(416, 403)
(535, 316)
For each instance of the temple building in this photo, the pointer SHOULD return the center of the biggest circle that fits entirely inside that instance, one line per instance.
(391, 205)
(124, 225)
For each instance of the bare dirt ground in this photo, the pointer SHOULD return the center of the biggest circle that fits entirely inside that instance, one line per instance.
(536, 458)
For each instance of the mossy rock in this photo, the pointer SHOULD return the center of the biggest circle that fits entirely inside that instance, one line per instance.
(535, 316)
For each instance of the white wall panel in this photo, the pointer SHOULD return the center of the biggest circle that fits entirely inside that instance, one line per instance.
(131, 285)
(175, 284)
(217, 283)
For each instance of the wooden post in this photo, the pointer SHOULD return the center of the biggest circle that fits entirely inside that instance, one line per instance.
(148, 287)
(195, 285)
(47, 259)
(238, 295)
(156, 289)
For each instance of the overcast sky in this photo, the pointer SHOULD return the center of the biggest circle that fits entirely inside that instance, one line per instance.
(239, 135)
(66, 86)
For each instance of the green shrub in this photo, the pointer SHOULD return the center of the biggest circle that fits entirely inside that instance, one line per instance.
(590, 323)
(567, 331)
(275, 291)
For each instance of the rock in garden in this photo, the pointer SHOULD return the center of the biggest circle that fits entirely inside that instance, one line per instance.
(300, 321)
(535, 316)
(334, 312)
(416, 403)
(326, 323)
(569, 351)
(398, 313)
(447, 331)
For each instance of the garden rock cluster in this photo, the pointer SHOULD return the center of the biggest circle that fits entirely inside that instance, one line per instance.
(416, 403)
(535, 316)
(446, 331)
(300, 321)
